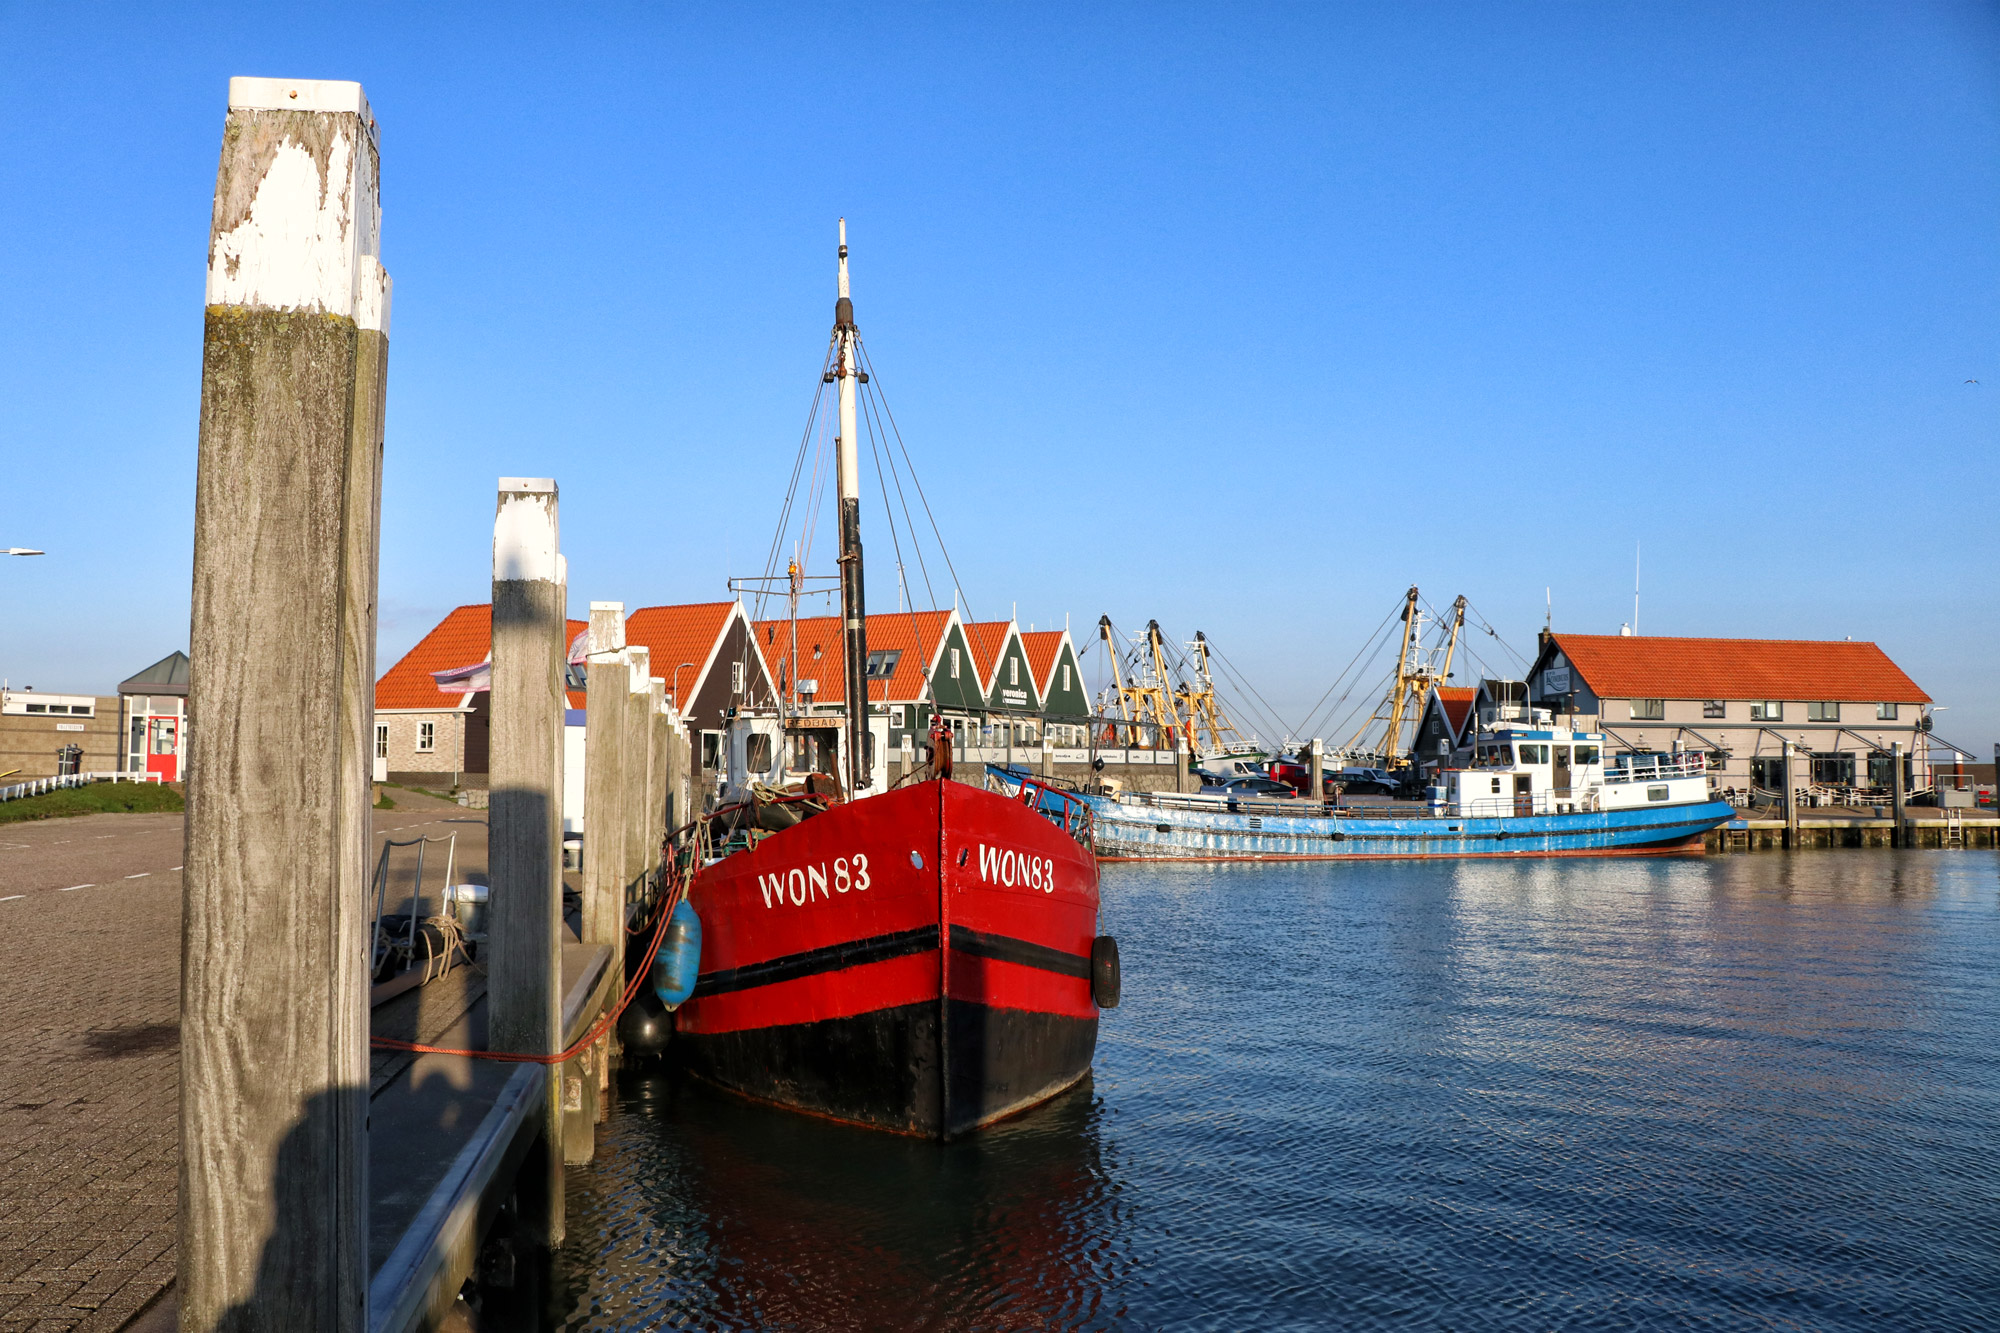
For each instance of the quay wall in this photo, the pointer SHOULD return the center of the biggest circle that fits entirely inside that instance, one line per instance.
(1768, 835)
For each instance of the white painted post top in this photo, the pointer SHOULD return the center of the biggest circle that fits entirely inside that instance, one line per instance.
(253, 94)
(525, 532)
(641, 658)
(607, 627)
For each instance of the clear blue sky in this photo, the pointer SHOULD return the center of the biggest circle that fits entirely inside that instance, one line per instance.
(1240, 317)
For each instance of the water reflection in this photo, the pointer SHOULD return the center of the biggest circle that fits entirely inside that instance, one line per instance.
(1744, 1091)
(712, 1212)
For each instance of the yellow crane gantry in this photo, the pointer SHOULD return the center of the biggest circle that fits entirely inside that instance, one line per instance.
(1416, 677)
(1197, 700)
(1144, 697)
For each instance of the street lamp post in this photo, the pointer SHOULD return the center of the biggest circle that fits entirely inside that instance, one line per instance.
(677, 682)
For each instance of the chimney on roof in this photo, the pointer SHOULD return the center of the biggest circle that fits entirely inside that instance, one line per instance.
(1624, 631)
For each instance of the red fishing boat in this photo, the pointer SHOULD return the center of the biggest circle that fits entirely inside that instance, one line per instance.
(920, 956)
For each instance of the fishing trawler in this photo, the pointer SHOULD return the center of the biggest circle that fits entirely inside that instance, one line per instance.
(1532, 789)
(1525, 786)
(921, 956)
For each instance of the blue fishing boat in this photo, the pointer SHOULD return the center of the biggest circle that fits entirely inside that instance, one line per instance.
(1526, 791)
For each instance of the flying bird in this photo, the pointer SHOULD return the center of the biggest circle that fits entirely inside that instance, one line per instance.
(1972, 381)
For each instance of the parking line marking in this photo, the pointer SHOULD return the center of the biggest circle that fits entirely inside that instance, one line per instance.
(12, 896)
(141, 875)
(74, 887)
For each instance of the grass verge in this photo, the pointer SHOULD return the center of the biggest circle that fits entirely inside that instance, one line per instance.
(99, 798)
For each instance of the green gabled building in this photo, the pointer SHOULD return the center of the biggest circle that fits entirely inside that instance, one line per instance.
(1058, 677)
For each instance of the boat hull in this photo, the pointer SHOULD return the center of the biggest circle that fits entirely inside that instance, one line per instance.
(1129, 831)
(916, 962)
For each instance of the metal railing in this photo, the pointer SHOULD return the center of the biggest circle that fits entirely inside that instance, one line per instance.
(380, 945)
(37, 786)
(1693, 764)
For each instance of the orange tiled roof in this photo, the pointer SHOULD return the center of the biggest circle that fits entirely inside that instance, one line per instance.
(1456, 702)
(1043, 647)
(1630, 666)
(460, 639)
(677, 634)
(987, 639)
(916, 633)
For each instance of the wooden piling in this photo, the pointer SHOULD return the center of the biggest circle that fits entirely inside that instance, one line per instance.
(656, 771)
(604, 793)
(1899, 832)
(274, 1103)
(1315, 771)
(524, 814)
(638, 754)
(1791, 799)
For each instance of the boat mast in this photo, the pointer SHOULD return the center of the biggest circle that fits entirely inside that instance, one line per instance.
(853, 612)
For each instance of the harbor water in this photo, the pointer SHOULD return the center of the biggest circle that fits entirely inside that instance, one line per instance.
(1724, 1092)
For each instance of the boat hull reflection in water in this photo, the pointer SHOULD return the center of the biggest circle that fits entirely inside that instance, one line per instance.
(705, 1211)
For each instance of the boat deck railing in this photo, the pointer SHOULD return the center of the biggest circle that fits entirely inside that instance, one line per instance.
(1583, 800)
(1692, 764)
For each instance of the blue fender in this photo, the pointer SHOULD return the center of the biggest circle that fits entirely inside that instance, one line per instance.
(678, 962)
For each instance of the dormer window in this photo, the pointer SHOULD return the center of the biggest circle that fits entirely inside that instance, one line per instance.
(882, 663)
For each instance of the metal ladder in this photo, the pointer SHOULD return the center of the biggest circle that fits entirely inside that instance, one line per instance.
(1954, 828)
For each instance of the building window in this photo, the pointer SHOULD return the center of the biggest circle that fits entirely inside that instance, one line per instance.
(1713, 708)
(1066, 679)
(1767, 772)
(896, 716)
(426, 737)
(1649, 710)
(882, 662)
(711, 750)
(163, 736)
(1823, 711)
(1767, 710)
(1833, 769)
(1885, 712)
(954, 664)
(382, 740)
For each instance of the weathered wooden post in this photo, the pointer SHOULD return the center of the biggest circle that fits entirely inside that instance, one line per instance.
(638, 754)
(1791, 800)
(524, 816)
(656, 771)
(1899, 836)
(274, 979)
(603, 788)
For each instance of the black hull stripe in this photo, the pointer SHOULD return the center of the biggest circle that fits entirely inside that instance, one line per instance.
(1007, 949)
(829, 958)
(881, 948)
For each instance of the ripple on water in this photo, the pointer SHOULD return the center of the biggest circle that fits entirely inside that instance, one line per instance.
(1729, 1092)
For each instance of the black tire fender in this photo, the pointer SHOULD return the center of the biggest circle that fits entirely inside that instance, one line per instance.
(1105, 982)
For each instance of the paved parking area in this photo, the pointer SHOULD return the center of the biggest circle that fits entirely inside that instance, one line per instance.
(90, 911)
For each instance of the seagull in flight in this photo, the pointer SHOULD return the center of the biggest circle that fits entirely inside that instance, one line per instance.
(1972, 381)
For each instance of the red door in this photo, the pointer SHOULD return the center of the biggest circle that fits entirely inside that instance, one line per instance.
(163, 748)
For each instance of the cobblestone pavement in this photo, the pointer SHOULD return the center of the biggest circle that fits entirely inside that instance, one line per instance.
(90, 913)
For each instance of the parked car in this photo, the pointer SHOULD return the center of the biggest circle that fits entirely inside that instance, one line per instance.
(1366, 781)
(1251, 789)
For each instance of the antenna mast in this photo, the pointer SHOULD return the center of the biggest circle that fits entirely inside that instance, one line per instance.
(853, 611)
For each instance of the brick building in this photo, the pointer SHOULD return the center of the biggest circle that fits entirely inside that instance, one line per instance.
(1840, 704)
